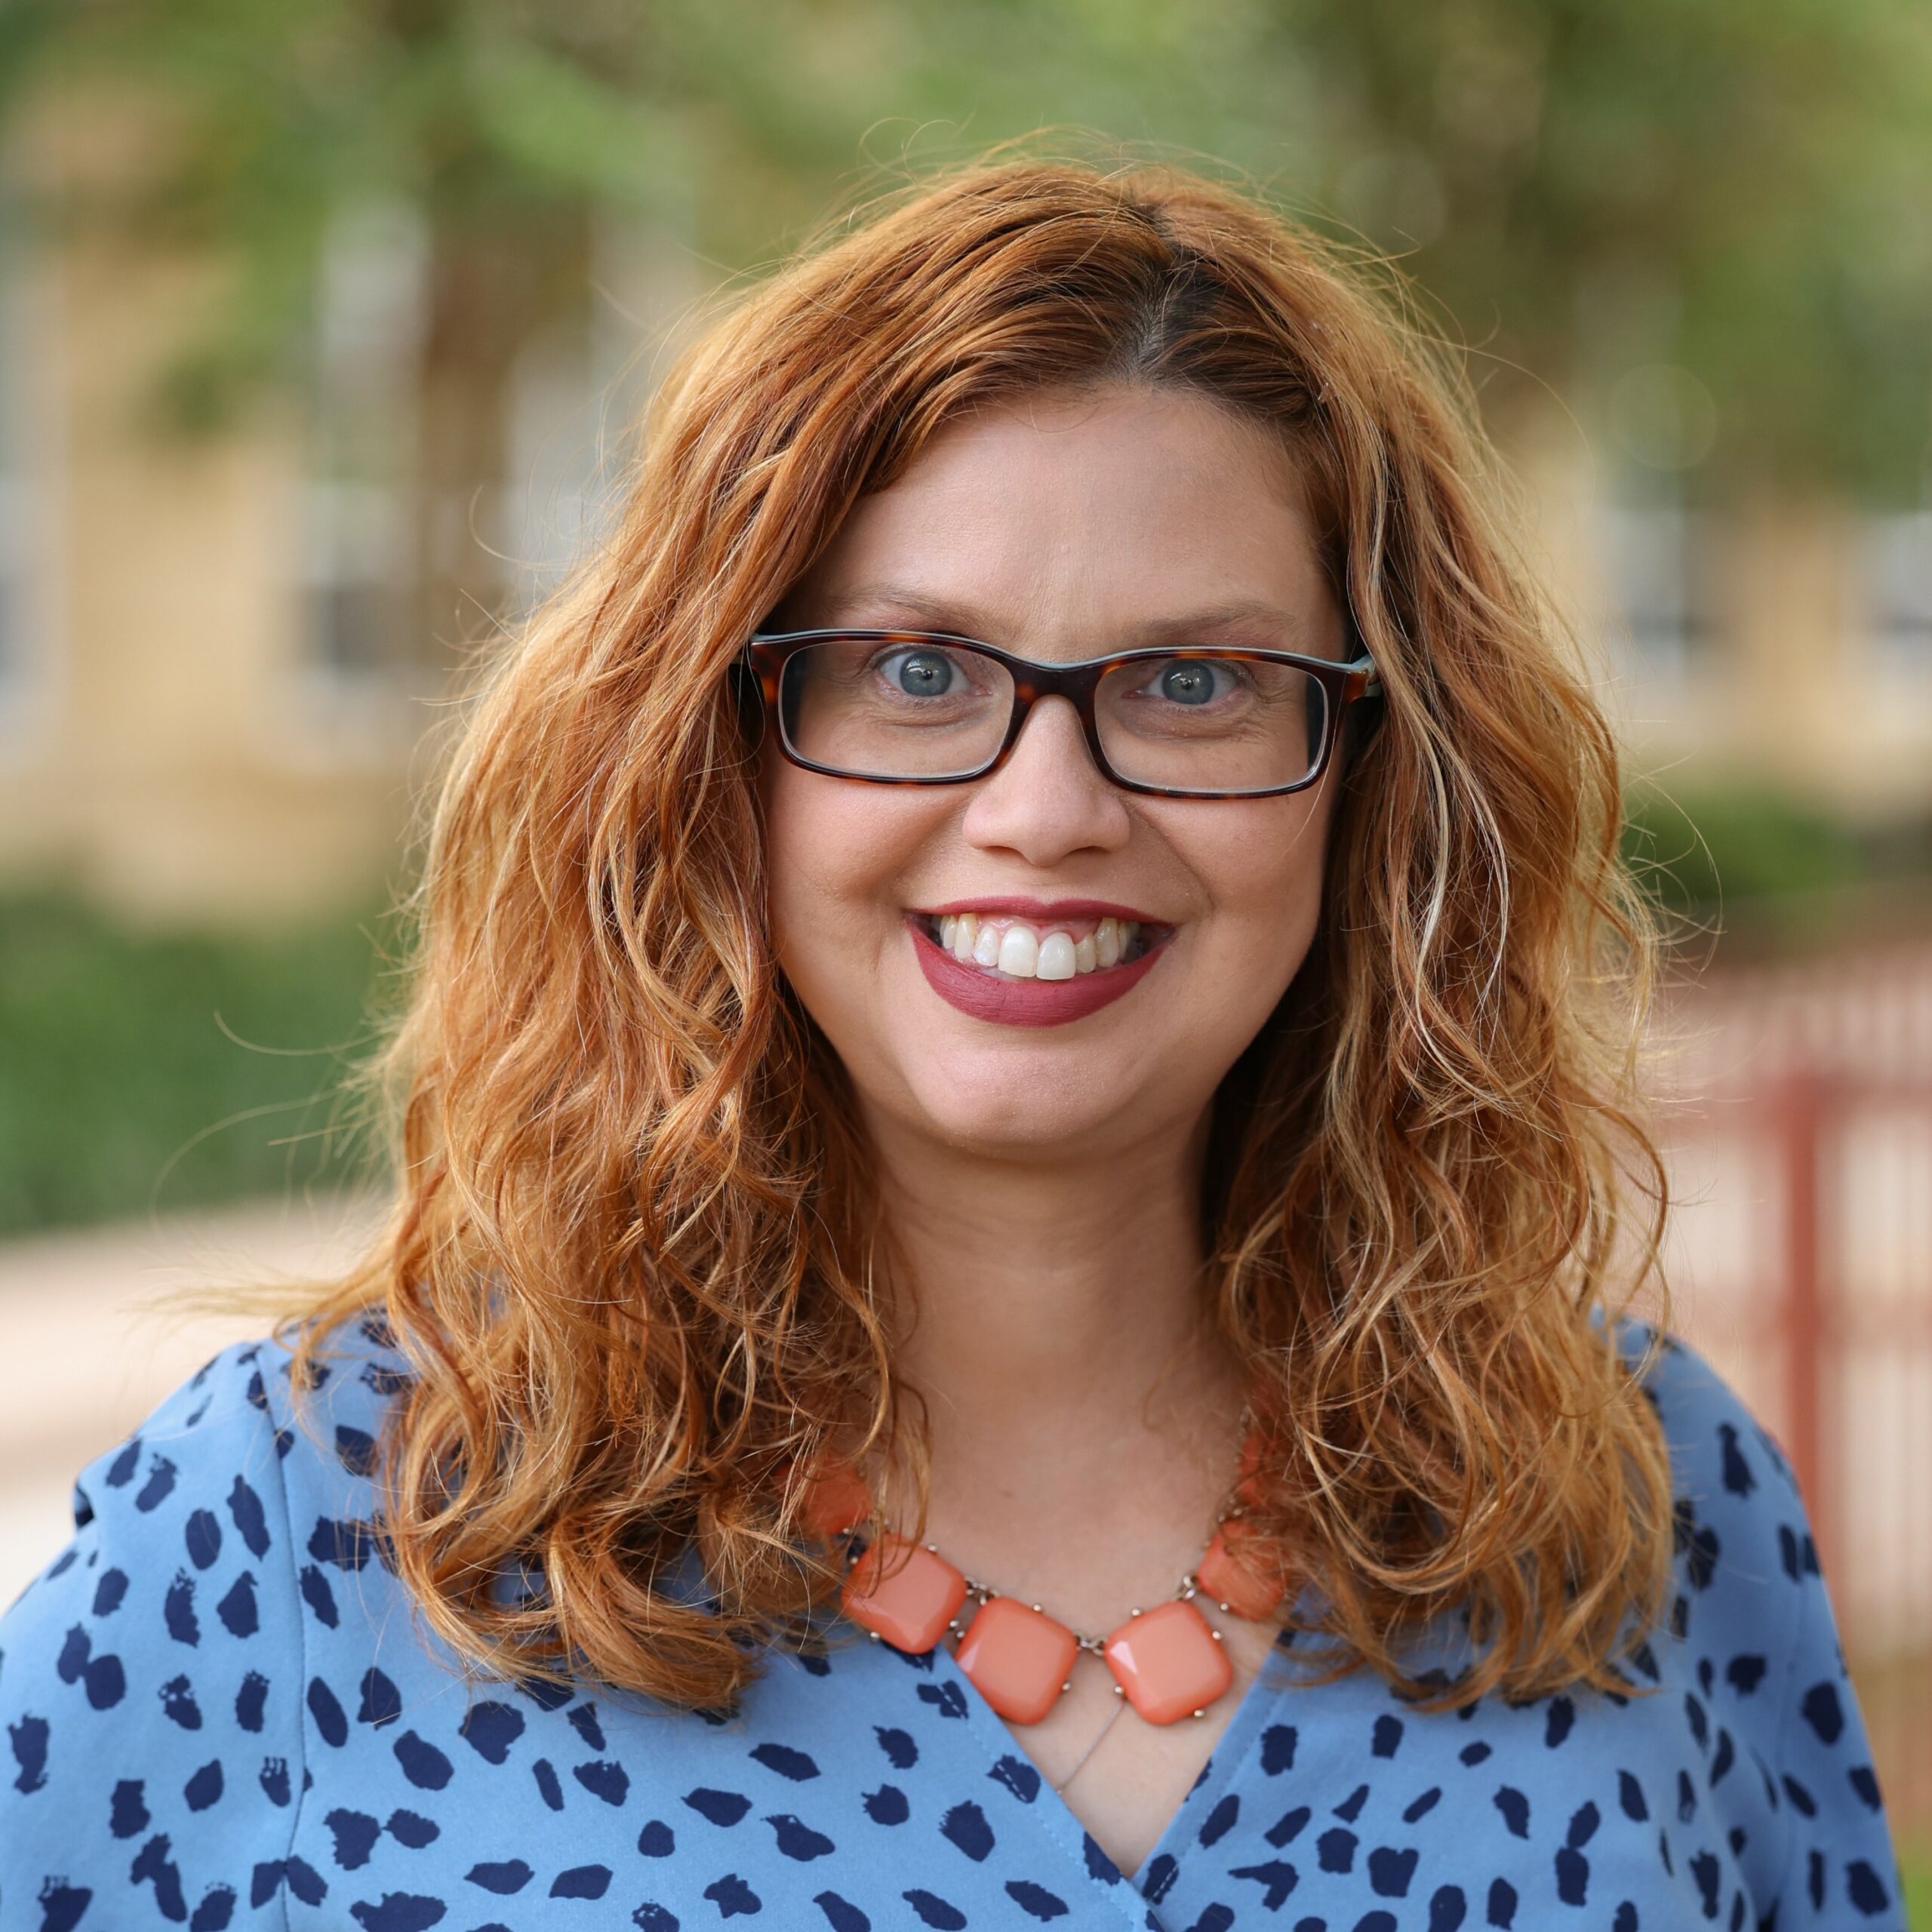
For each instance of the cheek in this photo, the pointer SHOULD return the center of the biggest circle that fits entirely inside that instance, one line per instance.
(1263, 867)
(812, 870)
(836, 853)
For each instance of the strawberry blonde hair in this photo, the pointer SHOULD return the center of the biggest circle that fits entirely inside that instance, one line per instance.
(632, 1254)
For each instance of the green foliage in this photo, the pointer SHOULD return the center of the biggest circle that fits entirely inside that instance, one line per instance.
(1758, 872)
(1733, 187)
(148, 1072)
(1706, 850)
(1730, 188)
(495, 119)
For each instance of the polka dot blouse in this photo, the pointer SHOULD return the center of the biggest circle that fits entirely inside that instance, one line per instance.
(218, 1712)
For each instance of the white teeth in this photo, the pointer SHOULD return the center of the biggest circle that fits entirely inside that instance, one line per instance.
(1019, 953)
(1058, 959)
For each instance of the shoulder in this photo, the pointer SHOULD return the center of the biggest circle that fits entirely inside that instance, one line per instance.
(152, 1678)
(248, 1447)
(333, 1406)
(1746, 1615)
(1751, 1621)
(1704, 1417)
(221, 1471)
(1743, 1545)
(1699, 1409)
(197, 1482)
(1726, 1467)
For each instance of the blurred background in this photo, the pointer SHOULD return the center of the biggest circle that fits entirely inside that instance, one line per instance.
(322, 328)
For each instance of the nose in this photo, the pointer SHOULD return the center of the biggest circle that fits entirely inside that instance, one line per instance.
(1049, 800)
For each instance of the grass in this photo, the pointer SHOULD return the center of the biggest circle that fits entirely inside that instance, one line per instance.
(148, 1072)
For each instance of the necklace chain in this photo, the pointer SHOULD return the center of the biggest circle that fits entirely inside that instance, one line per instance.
(1080, 1763)
(980, 1594)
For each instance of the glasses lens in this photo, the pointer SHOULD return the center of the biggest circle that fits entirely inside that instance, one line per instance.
(1200, 723)
(894, 708)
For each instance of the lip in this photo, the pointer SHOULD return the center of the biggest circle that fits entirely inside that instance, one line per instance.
(1044, 911)
(1028, 1002)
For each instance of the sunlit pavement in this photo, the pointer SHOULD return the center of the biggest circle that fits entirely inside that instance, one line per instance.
(92, 1336)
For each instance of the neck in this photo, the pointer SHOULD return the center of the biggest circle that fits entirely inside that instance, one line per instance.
(1054, 1304)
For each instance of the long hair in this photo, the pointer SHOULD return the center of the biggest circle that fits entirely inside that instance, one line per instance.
(633, 1255)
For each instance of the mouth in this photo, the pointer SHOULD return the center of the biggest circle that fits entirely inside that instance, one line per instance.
(1024, 966)
(1006, 946)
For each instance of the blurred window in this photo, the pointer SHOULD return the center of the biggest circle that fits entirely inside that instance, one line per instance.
(1660, 611)
(357, 571)
(354, 580)
(557, 498)
(1898, 591)
(577, 399)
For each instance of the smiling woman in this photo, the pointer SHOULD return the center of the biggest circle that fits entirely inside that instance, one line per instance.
(1021, 1044)
(1119, 512)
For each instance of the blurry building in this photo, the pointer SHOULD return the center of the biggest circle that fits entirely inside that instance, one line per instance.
(1784, 646)
(212, 696)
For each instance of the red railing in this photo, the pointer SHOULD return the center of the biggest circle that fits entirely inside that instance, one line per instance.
(1797, 1104)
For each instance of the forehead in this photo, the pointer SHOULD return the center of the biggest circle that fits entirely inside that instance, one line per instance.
(1078, 518)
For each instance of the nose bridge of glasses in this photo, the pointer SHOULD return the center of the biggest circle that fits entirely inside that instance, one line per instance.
(1035, 696)
(1074, 684)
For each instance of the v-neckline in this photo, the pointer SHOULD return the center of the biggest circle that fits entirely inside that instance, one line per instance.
(1232, 1750)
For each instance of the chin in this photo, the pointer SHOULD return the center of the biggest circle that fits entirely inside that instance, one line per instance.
(1041, 1104)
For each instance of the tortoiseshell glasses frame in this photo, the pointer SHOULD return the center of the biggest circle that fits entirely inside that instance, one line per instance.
(768, 653)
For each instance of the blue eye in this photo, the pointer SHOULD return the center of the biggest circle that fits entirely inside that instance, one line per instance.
(1187, 682)
(921, 673)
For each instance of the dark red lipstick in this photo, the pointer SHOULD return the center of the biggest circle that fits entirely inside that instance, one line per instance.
(1026, 1002)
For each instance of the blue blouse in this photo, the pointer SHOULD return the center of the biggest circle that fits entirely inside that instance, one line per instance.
(220, 1712)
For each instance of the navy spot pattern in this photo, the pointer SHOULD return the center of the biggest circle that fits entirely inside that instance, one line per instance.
(217, 1712)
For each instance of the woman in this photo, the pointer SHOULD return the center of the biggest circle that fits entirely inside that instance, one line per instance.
(1025, 965)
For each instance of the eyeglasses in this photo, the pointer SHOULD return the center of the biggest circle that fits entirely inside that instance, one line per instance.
(926, 708)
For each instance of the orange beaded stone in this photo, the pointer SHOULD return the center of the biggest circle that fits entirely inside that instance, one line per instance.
(1169, 1663)
(836, 1499)
(1017, 1658)
(903, 1592)
(1239, 1574)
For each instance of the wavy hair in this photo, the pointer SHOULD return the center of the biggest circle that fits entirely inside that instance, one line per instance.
(631, 1254)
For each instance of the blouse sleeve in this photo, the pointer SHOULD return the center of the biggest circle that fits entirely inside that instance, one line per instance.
(1769, 1661)
(150, 1679)
(1840, 1853)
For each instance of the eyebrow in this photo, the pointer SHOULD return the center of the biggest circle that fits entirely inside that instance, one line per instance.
(922, 611)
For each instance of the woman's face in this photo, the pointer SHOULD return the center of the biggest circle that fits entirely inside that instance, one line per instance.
(1058, 526)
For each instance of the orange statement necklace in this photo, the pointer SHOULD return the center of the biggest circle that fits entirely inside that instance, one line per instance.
(1168, 1663)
